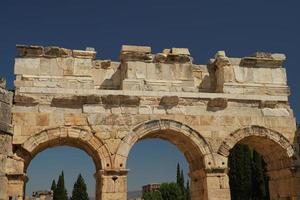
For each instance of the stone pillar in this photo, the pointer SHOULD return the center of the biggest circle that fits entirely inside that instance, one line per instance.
(210, 185)
(5, 137)
(224, 71)
(284, 184)
(111, 185)
(5, 151)
(16, 186)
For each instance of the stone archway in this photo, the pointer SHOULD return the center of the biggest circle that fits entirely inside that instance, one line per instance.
(277, 152)
(66, 136)
(196, 149)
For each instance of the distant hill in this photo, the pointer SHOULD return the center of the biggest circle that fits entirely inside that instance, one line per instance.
(134, 194)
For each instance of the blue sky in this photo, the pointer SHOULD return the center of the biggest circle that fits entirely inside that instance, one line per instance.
(236, 26)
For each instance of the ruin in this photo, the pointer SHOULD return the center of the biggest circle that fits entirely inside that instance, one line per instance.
(69, 97)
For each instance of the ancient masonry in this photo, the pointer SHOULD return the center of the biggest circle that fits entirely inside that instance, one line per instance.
(68, 97)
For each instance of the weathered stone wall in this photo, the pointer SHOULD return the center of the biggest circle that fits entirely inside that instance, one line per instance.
(5, 137)
(68, 97)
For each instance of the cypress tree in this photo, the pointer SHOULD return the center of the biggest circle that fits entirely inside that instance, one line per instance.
(60, 192)
(53, 185)
(79, 190)
(181, 183)
(188, 192)
(178, 174)
(240, 174)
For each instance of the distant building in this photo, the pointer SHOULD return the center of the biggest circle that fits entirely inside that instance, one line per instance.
(150, 187)
(42, 195)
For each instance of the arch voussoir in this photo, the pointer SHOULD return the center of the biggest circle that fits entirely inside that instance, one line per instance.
(71, 136)
(193, 145)
(257, 131)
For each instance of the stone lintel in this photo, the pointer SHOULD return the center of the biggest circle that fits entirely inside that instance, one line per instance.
(31, 51)
(263, 60)
(198, 95)
(134, 48)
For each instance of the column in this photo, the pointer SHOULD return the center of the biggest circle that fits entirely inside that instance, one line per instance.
(111, 184)
(210, 185)
(16, 186)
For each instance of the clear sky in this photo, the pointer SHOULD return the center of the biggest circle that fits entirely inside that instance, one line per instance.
(236, 26)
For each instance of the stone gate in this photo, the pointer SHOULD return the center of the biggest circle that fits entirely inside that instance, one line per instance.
(68, 97)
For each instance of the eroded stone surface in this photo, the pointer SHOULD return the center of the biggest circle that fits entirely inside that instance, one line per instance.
(67, 97)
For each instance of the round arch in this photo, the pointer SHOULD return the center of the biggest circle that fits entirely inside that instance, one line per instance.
(188, 141)
(271, 144)
(67, 136)
(277, 152)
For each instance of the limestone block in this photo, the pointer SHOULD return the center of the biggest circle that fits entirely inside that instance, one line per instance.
(42, 119)
(159, 110)
(169, 101)
(29, 51)
(279, 76)
(82, 66)
(180, 51)
(275, 112)
(117, 100)
(217, 103)
(74, 119)
(262, 75)
(136, 69)
(160, 57)
(5, 144)
(56, 119)
(54, 52)
(132, 84)
(24, 119)
(84, 54)
(145, 110)
(27, 66)
(153, 71)
(90, 108)
(132, 48)
(14, 166)
(2, 83)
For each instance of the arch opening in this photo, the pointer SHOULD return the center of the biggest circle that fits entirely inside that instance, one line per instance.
(64, 136)
(188, 141)
(47, 166)
(275, 150)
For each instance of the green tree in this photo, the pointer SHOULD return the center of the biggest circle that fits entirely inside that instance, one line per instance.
(187, 191)
(79, 190)
(60, 192)
(181, 183)
(170, 191)
(154, 195)
(240, 174)
(178, 174)
(259, 177)
(53, 185)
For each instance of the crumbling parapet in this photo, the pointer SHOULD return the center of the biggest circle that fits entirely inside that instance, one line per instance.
(171, 70)
(261, 73)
